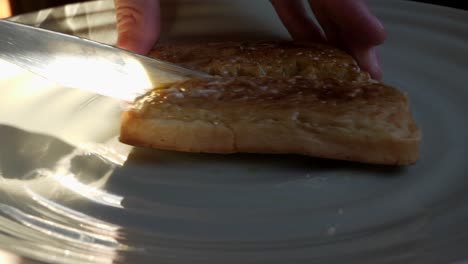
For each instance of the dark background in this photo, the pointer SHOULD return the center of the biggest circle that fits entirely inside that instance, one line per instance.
(23, 6)
(452, 3)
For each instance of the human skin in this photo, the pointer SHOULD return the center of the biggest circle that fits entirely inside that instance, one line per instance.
(347, 24)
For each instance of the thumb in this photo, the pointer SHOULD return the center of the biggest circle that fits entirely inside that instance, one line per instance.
(138, 24)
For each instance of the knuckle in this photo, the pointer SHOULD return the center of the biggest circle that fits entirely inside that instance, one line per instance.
(128, 16)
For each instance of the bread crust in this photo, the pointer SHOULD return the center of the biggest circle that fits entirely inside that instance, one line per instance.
(365, 122)
(279, 59)
(204, 137)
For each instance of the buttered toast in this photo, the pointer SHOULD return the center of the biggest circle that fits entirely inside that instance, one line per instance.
(289, 108)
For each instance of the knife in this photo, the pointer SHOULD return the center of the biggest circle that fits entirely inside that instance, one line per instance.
(80, 63)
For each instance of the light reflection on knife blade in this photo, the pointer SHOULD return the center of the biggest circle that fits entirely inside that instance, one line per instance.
(82, 63)
(95, 76)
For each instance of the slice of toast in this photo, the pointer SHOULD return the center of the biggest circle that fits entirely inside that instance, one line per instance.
(358, 121)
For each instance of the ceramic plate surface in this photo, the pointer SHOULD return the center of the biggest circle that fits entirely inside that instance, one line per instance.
(71, 193)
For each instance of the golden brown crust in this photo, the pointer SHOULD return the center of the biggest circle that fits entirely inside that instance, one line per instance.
(364, 122)
(206, 137)
(279, 59)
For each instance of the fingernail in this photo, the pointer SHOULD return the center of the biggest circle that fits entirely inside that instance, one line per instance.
(379, 24)
(373, 58)
(374, 63)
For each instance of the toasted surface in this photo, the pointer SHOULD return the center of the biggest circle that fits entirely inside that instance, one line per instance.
(358, 121)
(278, 59)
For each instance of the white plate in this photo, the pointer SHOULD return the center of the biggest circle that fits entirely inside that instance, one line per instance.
(71, 193)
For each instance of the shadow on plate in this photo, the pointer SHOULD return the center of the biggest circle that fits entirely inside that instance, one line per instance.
(253, 162)
(46, 163)
(22, 152)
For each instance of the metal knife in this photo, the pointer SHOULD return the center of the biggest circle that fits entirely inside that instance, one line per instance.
(84, 64)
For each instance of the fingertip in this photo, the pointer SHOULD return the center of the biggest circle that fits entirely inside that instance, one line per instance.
(368, 60)
(376, 74)
(354, 21)
(134, 44)
(375, 66)
(378, 32)
(297, 21)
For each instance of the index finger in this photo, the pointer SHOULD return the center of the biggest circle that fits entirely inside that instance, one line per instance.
(138, 24)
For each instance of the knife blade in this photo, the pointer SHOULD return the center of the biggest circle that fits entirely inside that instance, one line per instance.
(76, 62)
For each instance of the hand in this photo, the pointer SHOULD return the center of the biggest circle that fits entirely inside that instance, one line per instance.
(348, 24)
